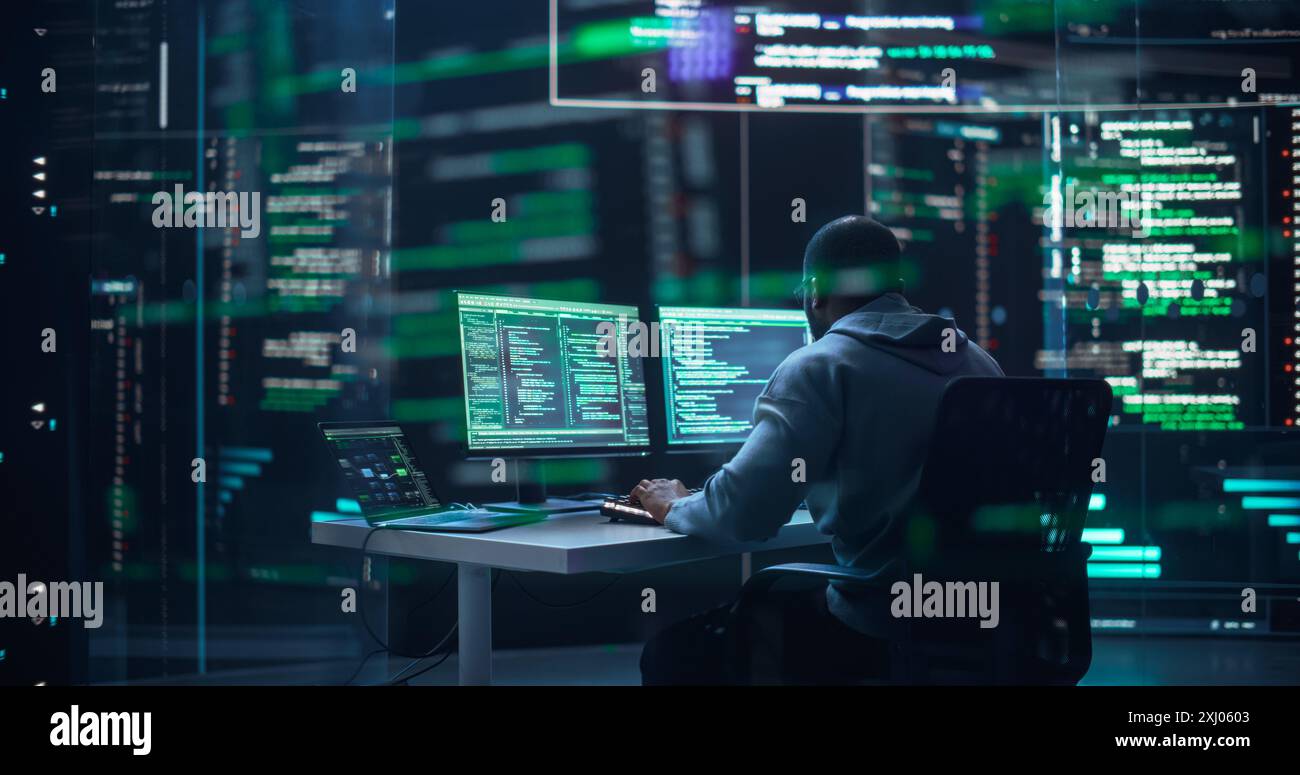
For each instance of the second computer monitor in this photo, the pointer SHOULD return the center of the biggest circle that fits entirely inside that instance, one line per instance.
(716, 362)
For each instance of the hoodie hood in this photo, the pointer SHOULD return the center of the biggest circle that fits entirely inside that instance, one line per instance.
(890, 324)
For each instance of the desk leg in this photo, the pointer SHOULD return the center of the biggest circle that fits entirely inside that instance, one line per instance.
(474, 614)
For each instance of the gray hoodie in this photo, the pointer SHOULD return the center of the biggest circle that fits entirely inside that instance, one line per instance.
(853, 411)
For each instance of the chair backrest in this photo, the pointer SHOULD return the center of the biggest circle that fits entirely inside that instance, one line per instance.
(1011, 461)
(1003, 498)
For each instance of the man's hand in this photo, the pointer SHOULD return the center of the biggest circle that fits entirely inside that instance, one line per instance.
(657, 496)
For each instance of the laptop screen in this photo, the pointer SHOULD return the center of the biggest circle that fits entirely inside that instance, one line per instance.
(380, 469)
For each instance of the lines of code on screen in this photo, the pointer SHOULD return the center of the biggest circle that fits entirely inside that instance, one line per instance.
(710, 386)
(536, 376)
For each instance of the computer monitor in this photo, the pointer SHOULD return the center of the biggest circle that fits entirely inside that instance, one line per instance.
(546, 378)
(716, 361)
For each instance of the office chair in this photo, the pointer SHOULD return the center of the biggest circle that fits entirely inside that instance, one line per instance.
(1003, 497)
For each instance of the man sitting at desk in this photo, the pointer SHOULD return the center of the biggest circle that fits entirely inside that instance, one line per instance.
(852, 412)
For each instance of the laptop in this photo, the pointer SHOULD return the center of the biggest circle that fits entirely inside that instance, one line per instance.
(384, 477)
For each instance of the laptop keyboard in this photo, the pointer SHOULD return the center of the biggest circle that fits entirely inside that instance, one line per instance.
(443, 517)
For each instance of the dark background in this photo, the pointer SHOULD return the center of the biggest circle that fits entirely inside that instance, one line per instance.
(612, 205)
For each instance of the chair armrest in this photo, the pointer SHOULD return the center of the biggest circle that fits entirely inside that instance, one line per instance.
(764, 579)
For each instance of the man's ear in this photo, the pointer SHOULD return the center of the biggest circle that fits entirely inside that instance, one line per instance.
(815, 295)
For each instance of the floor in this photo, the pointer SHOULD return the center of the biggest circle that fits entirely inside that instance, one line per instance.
(1116, 660)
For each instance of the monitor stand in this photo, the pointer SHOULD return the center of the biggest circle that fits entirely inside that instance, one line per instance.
(531, 496)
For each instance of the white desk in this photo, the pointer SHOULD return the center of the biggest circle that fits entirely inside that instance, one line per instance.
(582, 542)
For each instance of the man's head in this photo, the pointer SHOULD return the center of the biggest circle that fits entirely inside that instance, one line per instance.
(847, 263)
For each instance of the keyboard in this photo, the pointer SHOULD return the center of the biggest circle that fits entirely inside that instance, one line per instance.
(625, 508)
